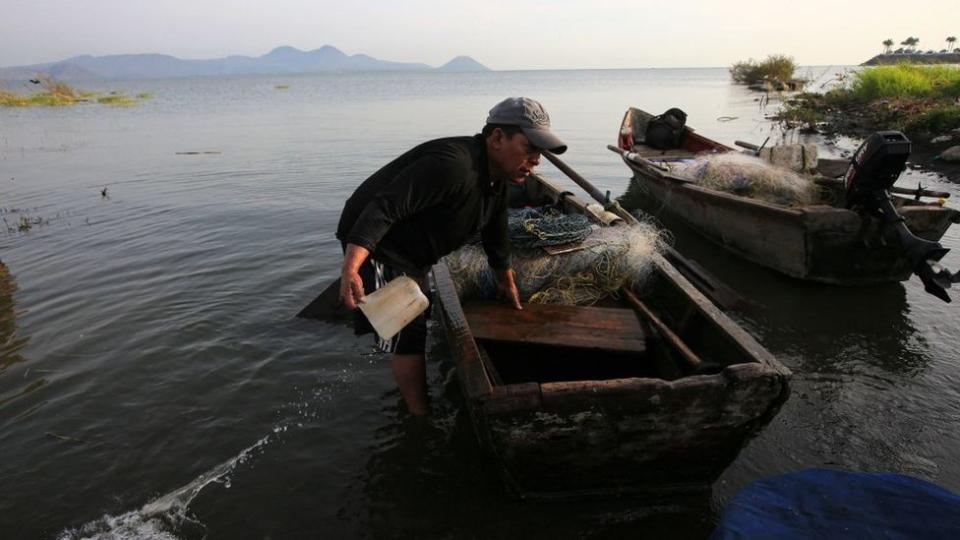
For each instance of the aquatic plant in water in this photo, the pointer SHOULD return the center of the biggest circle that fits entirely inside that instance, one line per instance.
(56, 93)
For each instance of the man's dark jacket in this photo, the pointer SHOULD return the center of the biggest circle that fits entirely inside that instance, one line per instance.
(429, 202)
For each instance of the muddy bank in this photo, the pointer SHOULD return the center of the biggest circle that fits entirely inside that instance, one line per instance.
(816, 113)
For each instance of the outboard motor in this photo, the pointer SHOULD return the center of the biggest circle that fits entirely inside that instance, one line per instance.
(874, 168)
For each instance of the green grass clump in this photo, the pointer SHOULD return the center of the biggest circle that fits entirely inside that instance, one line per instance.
(805, 118)
(41, 99)
(776, 67)
(12, 99)
(938, 120)
(55, 93)
(906, 81)
(116, 99)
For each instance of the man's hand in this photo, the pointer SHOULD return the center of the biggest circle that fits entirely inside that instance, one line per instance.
(351, 286)
(351, 289)
(507, 287)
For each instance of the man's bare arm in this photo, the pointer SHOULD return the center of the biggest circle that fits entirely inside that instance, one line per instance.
(507, 287)
(351, 286)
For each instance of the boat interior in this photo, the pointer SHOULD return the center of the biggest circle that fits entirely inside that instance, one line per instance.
(656, 331)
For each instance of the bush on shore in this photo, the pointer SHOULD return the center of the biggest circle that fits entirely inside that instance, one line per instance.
(776, 67)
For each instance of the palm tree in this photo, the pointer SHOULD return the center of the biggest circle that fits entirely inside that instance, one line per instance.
(911, 44)
(887, 43)
(950, 41)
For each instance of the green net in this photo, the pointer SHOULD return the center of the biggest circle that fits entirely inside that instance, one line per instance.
(533, 227)
(612, 257)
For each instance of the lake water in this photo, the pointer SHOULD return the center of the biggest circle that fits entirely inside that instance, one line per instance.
(154, 383)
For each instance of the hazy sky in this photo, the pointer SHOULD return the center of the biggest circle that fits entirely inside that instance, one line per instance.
(502, 34)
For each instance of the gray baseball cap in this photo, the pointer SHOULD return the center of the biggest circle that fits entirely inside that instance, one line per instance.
(529, 116)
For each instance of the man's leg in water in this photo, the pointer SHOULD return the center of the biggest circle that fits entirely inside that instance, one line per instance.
(410, 372)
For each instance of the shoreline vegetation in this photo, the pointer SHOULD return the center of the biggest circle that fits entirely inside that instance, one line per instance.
(55, 93)
(922, 101)
(908, 97)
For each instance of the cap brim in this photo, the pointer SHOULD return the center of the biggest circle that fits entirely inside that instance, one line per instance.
(542, 138)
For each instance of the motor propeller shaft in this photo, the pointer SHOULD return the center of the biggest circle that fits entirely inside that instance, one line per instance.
(874, 168)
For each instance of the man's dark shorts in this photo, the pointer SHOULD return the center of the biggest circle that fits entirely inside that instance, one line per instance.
(412, 339)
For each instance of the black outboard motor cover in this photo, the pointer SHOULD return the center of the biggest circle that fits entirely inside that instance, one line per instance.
(874, 168)
(876, 165)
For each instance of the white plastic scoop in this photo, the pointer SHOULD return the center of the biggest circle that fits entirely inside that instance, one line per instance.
(393, 306)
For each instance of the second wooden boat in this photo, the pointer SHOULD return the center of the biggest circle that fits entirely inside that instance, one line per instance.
(822, 242)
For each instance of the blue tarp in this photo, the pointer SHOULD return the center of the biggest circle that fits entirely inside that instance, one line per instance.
(823, 503)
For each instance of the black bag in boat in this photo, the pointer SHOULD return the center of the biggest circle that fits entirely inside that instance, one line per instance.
(666, 131)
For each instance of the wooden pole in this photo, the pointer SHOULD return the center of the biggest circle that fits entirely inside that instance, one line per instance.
(669, 335)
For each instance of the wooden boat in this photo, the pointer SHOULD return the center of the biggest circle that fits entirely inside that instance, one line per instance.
(655, 393)
(823, 242)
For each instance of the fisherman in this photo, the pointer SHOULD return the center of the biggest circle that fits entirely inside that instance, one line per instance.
(431, 201)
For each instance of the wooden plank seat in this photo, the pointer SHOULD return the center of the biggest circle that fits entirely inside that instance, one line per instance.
(609, 329)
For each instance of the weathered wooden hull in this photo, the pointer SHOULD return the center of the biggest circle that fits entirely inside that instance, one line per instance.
(644, 435)
(817, 243)
(633, 435)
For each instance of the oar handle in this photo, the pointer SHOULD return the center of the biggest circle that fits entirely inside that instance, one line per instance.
(669, 335)
(598, 195)
(635, 158)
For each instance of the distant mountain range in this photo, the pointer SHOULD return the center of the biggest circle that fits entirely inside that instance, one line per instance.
(282, 60)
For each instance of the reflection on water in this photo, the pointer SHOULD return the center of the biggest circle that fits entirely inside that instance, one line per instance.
(10, 345)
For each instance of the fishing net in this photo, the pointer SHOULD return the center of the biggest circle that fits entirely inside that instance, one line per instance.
(748, 176)
(538, 227)
(612, 257)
